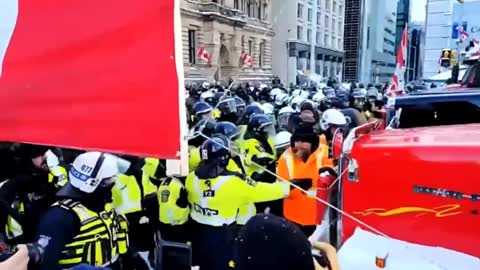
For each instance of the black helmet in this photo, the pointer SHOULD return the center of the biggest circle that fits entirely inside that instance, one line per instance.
(227, 105)
(201, 107)
(206, 127)
(215, 150)
(240, 103)
(250, 110)
(227, 129)
(260, 125)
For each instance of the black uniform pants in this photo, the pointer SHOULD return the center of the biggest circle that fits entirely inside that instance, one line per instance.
(212, 247)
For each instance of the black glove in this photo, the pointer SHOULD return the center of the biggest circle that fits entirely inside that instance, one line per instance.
(331, 171)
(182, 201)
(305, 183)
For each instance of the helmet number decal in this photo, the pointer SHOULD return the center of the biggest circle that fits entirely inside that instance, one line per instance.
(86, 169)
(204, 154)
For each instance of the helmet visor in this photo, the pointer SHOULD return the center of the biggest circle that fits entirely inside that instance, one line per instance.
(283, 119)
(227, 106)
(268, 130)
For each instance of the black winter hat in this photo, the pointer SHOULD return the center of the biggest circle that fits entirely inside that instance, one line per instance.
(305, 133)
(271, 242)
(30, 151)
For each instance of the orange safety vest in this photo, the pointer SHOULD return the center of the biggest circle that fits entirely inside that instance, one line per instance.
(299, 207)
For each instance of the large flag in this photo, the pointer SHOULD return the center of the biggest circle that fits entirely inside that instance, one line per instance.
(91, 74)
(397, 83)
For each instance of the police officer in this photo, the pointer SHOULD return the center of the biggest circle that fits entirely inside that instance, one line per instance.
(215, 195)
(258, 149)
(26, 197)
(201, 110)
(135, 196)
(204, 128)
(174, 210)
(228, 109)
(82, 227)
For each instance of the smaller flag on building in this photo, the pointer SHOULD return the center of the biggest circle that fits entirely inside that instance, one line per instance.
(462, 34)
(204, 55)
(246, 59)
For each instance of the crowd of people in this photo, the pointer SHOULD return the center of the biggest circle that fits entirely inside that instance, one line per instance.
(255, 156)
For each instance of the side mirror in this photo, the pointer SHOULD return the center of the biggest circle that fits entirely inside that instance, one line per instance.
(172, 255)
(337, 144)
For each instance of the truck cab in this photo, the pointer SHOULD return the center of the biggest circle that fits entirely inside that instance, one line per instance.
(434, 108)
(416, 185)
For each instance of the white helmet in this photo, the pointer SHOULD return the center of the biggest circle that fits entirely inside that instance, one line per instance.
(304, 94)
(92, 169)
(275, 92)
(281, 99)
(296, 102)
(283, 116)
(296, 92)
(206, 95)
(282, 140)
(332, 117)
(268, 109)
(319, 97)
(206, 85)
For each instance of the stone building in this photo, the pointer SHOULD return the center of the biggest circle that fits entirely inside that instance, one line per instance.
(226, 29)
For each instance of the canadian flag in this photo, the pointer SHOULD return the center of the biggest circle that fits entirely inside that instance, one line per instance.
(246, 59)
(463, 35)
(204, 55)
(397, 83)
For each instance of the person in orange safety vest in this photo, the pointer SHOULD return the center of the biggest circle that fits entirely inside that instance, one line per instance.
(303, 160)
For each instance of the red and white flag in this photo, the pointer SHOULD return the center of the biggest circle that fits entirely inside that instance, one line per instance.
(204, 55)
(87, 74)
(397, 83)
(462, 34)
(246, 59)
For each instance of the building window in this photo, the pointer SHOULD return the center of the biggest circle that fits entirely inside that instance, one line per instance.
(333, 42)
(326, 40)
(309, 35)
(333, 25)
(300, 11)
(309, 15)
(319, 17)
(327, 19)
(249, 9)
(318, 38)
(318, 3)
(368, 37)
(236, 4)
(265, 6)
(192, 47)
(259, 10)
(340, 47)
(340, 30)
(250, 47)
(299, 33)
(340, 10)
(260, 54)
(334, 7)
(327, 5)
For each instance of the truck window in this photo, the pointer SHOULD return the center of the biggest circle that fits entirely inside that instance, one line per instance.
(472, 76)
(440, 113)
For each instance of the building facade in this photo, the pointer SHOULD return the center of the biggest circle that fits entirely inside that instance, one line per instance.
(443, 17)
(370, 32)
(308, 39)
(403, 17)
(226, 29)
(416, 43)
